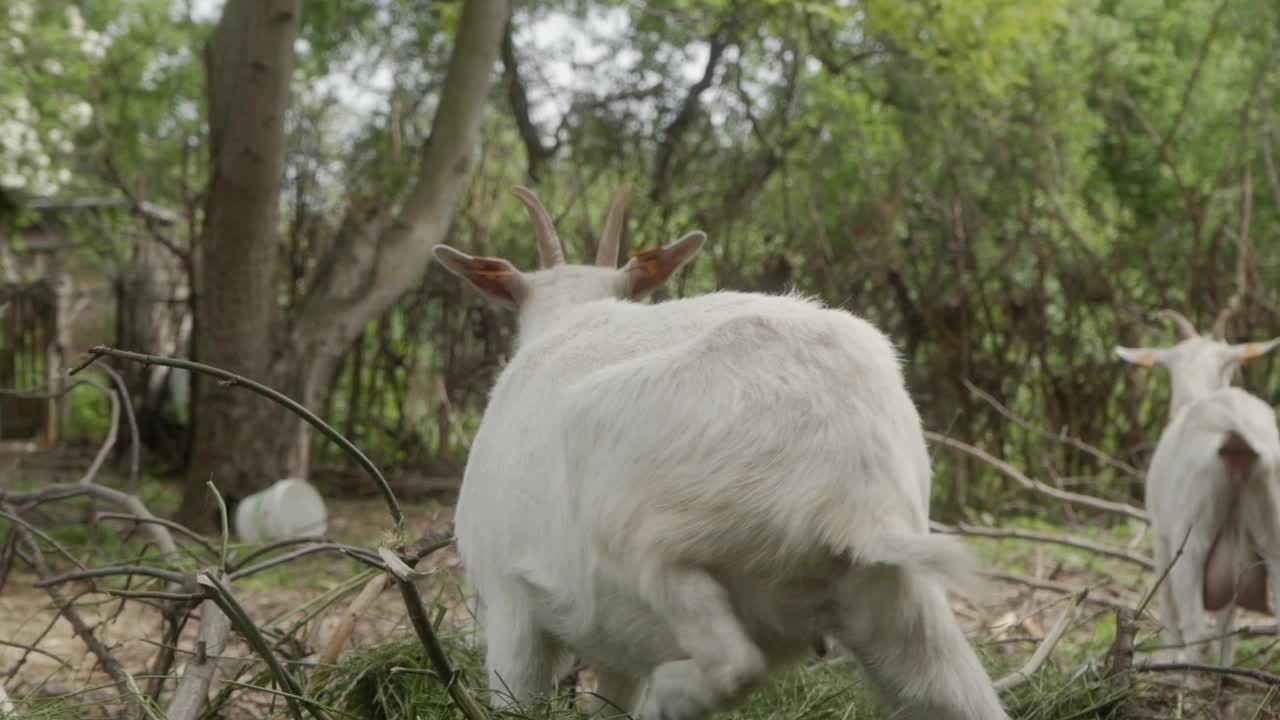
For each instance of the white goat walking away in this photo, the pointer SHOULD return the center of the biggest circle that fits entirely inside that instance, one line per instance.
(687, 494)
(1214, 480)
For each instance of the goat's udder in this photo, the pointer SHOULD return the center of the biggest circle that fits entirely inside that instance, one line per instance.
(1234, 570)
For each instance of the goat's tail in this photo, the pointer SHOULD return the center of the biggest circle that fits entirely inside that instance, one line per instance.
(946, 559)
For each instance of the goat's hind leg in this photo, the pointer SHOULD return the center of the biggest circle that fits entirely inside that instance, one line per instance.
(522, 660)
(723, 661)
(906, 636)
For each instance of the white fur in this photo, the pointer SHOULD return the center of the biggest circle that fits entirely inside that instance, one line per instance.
(687, 494)
(1189, 493)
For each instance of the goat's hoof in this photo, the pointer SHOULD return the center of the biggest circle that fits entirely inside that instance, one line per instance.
(677, 691)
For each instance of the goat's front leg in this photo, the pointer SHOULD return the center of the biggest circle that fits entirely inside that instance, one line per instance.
(723, 662)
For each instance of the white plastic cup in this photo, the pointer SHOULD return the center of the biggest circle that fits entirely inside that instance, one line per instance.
(288, 509)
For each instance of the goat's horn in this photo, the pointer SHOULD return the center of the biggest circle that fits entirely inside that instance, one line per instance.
(611, 238)
(1185, 327)
(549, 248)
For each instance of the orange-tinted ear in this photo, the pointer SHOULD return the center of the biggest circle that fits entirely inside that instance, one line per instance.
(496, 278)
(648, 269)
(1143, 357)
(1246, 353)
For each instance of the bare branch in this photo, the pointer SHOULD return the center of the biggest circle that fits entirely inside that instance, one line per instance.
(1259, 675)
(1016, 475)
(232, 379)
(1243, 289)
(536, 152)
(113, 571)
(719, 41)
(122, 393)
(82, 630)
(1059, 587)
(176, 527)
(61, 491)
(1061, 437)
(1064, 540)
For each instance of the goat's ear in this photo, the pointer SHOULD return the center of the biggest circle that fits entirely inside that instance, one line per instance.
(1245, 353)
(648, 269)
(496, 278)
(1145, 357)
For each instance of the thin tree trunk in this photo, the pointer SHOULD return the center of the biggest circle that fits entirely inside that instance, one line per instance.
(250, 63)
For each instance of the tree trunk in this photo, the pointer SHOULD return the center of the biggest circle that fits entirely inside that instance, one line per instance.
(364, 274)
(249, 66)
(244, 443)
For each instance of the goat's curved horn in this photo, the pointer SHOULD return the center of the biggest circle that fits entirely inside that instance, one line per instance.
(549, 248)
(611, 238)
(1185, 327)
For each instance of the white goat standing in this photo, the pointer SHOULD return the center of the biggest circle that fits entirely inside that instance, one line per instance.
(1214, 480)
(687, 494)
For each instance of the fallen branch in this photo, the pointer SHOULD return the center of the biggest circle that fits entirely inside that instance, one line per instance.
(61, 491)
(1046, 647)
(1059, 587)
(333, 648)
(1064, 540)
(1022, 479)
(193, 689)
(1259, 675)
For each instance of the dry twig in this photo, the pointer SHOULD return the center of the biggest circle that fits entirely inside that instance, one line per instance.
(1046, 647)
(1064, 540)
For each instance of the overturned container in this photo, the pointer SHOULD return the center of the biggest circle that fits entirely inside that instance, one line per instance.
(288, 509)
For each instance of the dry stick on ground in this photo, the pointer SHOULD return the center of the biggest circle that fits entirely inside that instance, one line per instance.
(1045, 649)
(229, 378)
(1019, 477)
(193, 689)
(1259, 675)
(1060, 587)
(1065, 540)
(1061, 437)
(333, 647)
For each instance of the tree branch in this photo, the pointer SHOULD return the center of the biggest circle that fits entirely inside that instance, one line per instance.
(719, 41)
(232, 379)
(1064, 540)
(536, 152)
(1016, 475)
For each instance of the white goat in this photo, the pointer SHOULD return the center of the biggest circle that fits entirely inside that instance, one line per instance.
(1212, 481)
(687, 494)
